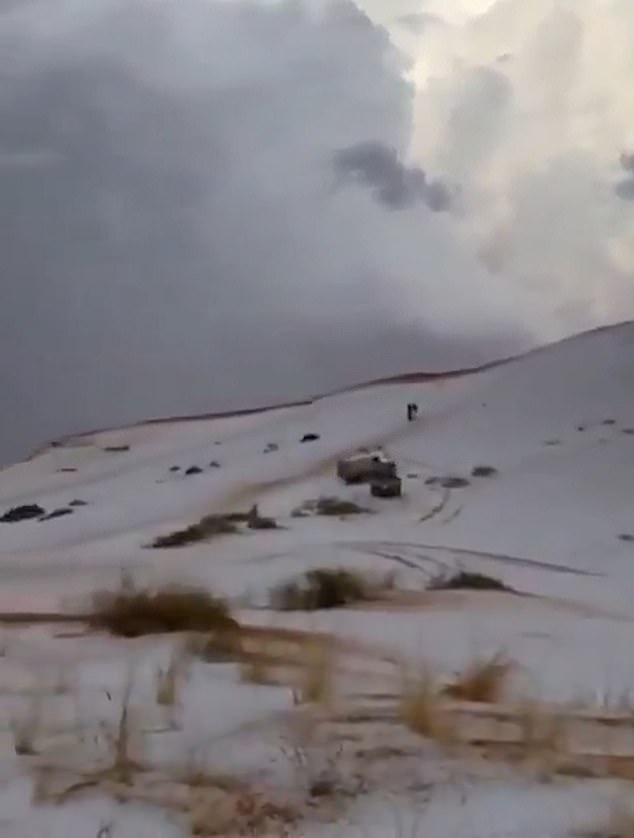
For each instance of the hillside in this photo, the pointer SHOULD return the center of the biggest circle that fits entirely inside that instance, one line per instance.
(550, 518)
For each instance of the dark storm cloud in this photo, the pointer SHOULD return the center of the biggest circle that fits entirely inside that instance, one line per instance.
(169, 241)
(395, 185)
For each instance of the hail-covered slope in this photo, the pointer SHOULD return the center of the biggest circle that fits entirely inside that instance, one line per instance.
(554, 429)
(557, 425)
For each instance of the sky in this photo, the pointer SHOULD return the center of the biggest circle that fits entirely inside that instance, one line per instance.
(208, 204)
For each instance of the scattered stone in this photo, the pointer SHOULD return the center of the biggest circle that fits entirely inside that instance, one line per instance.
(67, 470)
(412, 475)
(26, 512)
(626, 536)
(78, 502)
(551, 442)
(484, 471)
(609, 422)
(175, 468)
(193, 470)
(386, 487)
(271, 446)
(629, 431)
(57, 513)
(309, 438)
(116, 449)
(214, 464)
(581, 427)
(449, 482)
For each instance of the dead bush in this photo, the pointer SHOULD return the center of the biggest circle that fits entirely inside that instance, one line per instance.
(135, 613)
(207, 527)
(462, 580)
(329, 507)
(338, 506)
(321, 588)
(421, 708)
(482, 681)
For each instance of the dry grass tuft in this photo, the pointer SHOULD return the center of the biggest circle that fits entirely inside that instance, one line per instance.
(208, 527)
(543, 738)
(135, 613)
(329, 507)
(483, 681)
(169, 681)
(215, 812)
(317, 677)
(463, 580)
(421, 708)
(321, 588)
(26, 729)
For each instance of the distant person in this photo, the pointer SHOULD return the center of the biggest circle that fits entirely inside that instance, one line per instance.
(412, 411)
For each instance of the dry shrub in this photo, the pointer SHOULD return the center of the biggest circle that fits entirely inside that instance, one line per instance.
(207, 527)
(135, 613)
(329, 507)
(483, 681)
(463, 580)
(321, 588)
(542, 733)
(168, 681)
(317, 677)
(26, 729)
(215, 812)
(421, 708)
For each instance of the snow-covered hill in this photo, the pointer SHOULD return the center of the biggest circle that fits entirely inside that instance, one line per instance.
(554, 520)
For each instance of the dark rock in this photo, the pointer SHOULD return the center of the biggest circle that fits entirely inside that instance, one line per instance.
(57, 513)
(175, 468)
(214, 464)
(581, 427)
(551, 442)
(116, 449)
(26, 512)
(386, 487)
(626, 536)
(629, 431)
(309, 438)
(271, 446)
(78, 502)
(67, 470)
(449, 482)
(608, 422)
(193, 470)
(484, 471)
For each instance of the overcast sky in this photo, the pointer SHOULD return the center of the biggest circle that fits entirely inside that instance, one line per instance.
(217, 203)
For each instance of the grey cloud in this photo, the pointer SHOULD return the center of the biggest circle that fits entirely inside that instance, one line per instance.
(625, 187)
(394, 184)
(169, 241)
